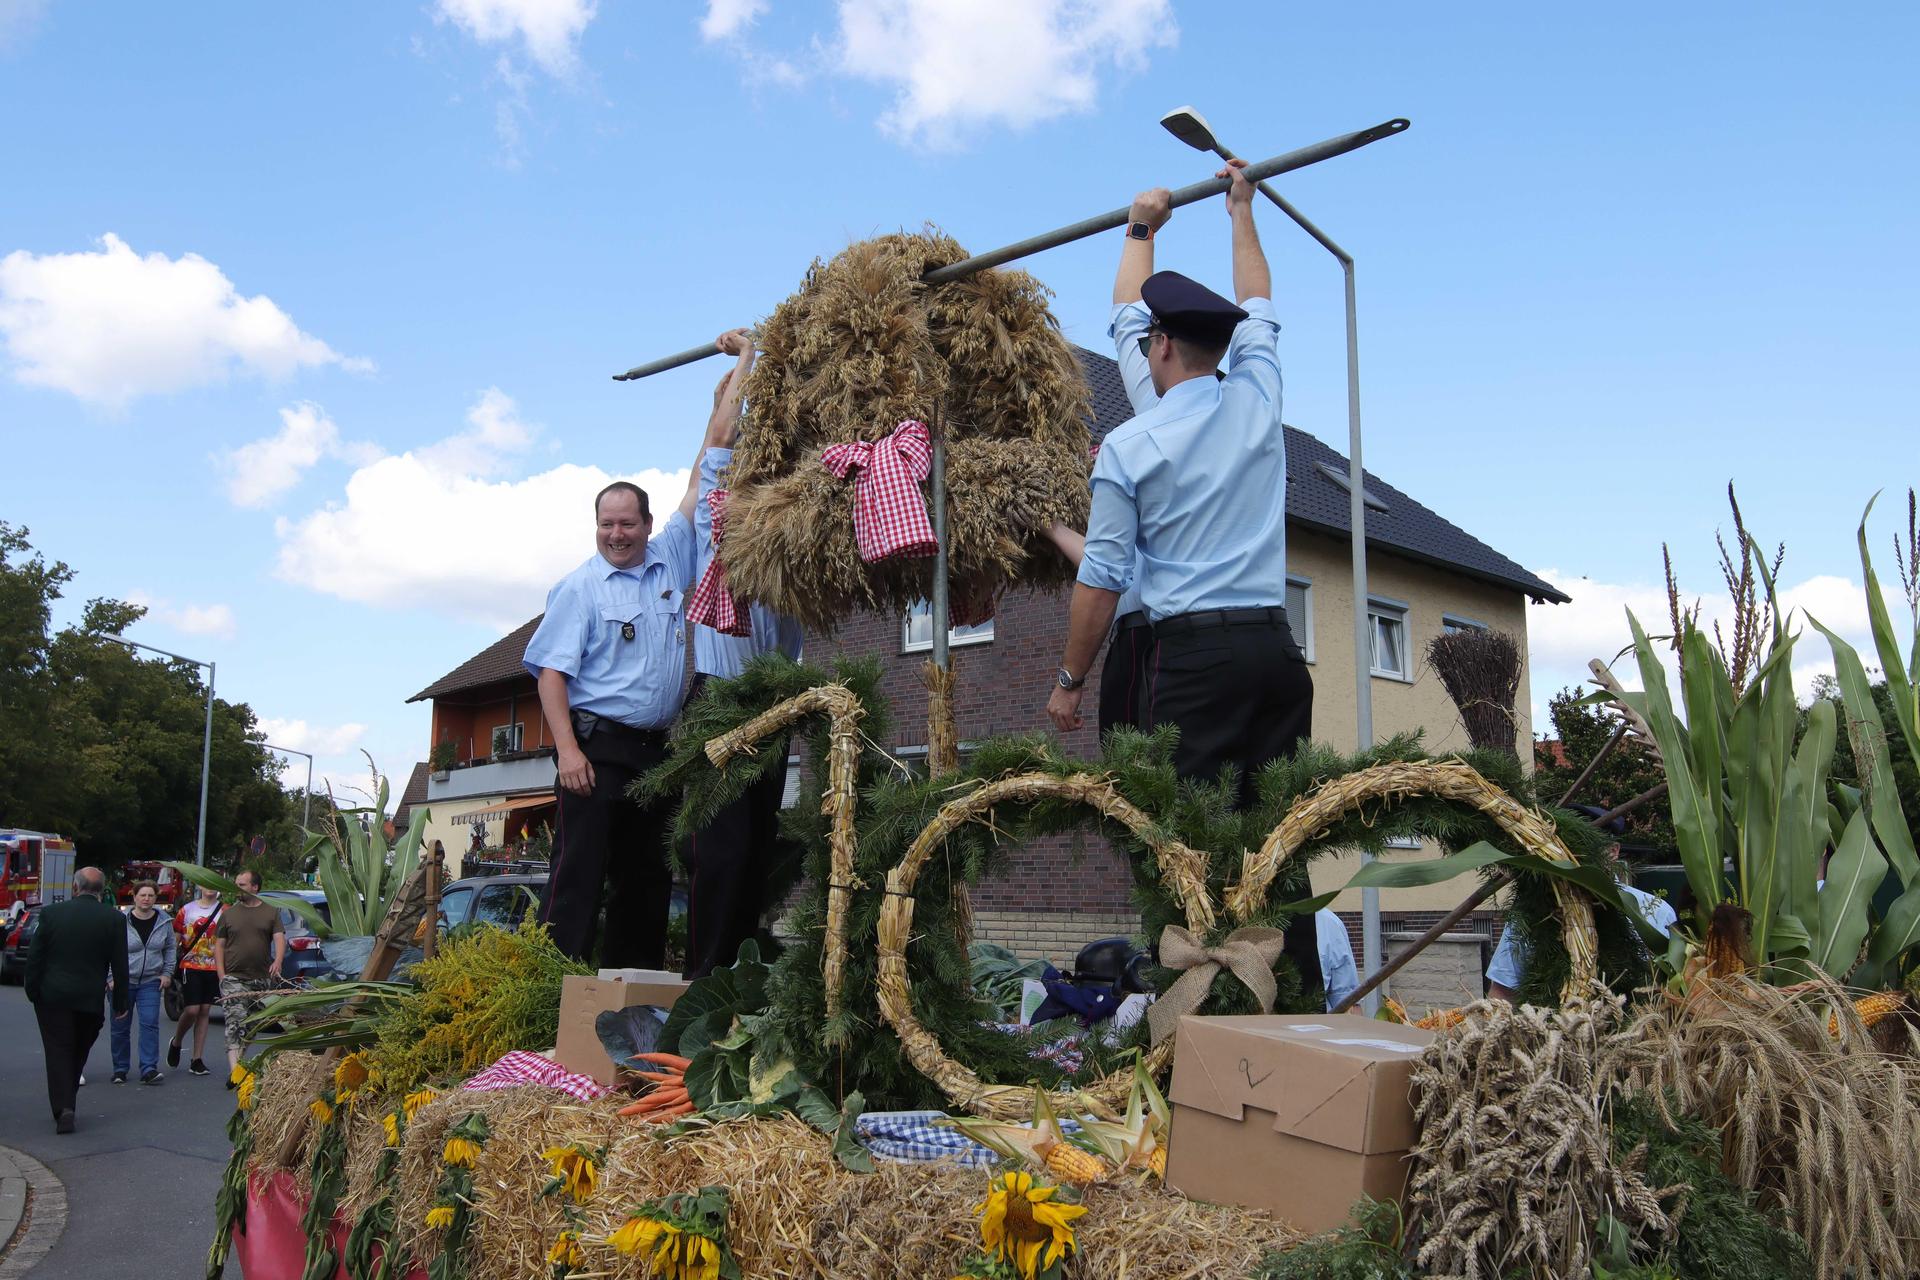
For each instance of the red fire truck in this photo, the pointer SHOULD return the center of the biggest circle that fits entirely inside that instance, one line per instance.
(30, 860)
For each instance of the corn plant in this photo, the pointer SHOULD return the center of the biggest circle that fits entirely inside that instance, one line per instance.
(357, 869)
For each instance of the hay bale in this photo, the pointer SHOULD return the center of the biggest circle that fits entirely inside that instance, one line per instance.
(288, 1083)
(864, 346)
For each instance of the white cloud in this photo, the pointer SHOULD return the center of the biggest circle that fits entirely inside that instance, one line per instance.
(263, 469)
(438, 528)
(110, 326)
(549, 29)
(188, 619)
(727, 18)
(959, 67)
(315, 739)
(1562, 638)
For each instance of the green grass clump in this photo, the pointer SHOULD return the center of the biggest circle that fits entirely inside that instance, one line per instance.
(1368, 1248)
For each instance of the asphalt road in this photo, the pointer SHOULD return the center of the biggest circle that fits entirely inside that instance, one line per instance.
(143, 1165)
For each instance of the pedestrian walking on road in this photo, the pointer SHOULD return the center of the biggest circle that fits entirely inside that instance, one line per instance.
(81, 945)
(198, 976)
(249, 946)
(151, 952)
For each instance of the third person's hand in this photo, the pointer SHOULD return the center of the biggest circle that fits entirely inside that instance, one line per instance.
(576, 771)
(1152, 207)
(1240, 192)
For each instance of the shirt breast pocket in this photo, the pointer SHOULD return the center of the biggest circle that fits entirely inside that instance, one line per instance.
(622, 618)
(666, 605)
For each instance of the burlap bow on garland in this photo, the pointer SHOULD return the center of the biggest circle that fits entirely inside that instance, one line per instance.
(1248, 953)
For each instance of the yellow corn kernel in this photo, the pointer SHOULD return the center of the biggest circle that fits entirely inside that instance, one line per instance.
(1158, 1163)
(1070, 1164)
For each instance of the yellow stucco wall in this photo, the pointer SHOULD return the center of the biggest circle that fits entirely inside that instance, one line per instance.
(453, 831)
(1429, 594)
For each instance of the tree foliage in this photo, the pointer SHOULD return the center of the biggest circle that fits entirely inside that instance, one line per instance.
(103, 745)
(1629, 770)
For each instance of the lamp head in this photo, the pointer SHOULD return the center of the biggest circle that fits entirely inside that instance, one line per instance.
(1190, 127)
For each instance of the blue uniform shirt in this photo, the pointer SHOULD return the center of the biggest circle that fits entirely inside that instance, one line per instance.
(1509, 964)
(638, 682)
(1338, 972)
(1189, 497)
(726, 656)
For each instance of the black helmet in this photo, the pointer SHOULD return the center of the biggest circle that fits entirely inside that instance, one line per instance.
(1114, 961)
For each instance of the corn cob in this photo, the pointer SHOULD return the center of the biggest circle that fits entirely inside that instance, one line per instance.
(1395, 1011)
(1157, 1162)
(1070, 1164)
(1877, 1007)
(1442, 1019)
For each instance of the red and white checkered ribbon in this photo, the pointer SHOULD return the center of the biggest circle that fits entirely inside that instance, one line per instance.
(712, 604)
(519, 1067)
(889, 515)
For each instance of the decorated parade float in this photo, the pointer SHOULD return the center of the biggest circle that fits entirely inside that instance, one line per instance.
(1735, 1100)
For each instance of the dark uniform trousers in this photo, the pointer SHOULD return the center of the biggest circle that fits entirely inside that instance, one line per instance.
(66, 1036)
(729, 862)
(1125, 674)
(605, 837)
(1237, 686)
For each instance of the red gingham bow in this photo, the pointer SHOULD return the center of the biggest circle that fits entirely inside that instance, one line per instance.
(889, 515)
(712, 604)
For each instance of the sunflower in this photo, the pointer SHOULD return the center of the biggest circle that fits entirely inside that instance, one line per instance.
(637, 1235)
(245, 1085)
(322, 1111)
(566, 1251)
(1021, 1222)
(416, 1100)
(440, 1217)
(460, 1151)
(352, 1074)
(391, 1123)
(574, 1168)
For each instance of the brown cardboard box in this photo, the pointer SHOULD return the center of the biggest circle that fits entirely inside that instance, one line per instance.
(1299, 1113)
(584, 999)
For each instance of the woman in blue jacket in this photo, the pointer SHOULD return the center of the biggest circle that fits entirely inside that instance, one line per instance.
(151, 951)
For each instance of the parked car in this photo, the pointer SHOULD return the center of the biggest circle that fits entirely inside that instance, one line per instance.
(305, 958)
(13, 953)
(507, 900)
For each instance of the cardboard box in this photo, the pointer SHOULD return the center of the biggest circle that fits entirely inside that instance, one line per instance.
(584, 999)
(1299, 1114)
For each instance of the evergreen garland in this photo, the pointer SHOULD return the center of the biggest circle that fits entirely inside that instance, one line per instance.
(854, 1051)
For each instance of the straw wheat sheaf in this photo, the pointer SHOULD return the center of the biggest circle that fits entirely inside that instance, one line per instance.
(844, 714)
(1185, 869)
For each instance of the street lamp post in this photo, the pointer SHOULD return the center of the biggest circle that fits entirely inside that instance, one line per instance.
(1191, 128)
(306, 812)
(206, 745)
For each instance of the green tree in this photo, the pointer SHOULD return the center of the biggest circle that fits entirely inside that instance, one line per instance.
(1629, 769)
(28, 588)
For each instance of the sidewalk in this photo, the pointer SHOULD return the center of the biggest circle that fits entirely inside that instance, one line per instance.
(33, 1207)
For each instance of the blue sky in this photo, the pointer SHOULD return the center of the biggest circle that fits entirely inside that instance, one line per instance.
(334, 397)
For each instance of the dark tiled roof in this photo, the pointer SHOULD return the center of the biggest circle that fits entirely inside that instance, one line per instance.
(498, 661)
(1319, 502)
(414, 795)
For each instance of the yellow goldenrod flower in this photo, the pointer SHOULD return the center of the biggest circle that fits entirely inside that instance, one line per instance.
(352, 1074)
(637, 1235)
(239, 1074)
(440, 1217)
(416, 1100)
(566, 1250)
(244, 1093)
(322, 1111)
(391, 1123)
(1021, 1223)
(574, 1168)
(461, 1151)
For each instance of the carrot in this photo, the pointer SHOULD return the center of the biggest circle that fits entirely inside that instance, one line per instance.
(661, 1098)
(673, 1060)
(663, 1077)
(632, 1108)
(659, 1117)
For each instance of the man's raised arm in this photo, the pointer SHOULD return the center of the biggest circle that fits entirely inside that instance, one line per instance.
(1251, 278)
(724, 423)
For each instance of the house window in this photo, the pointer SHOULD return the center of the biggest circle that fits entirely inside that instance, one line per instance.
(1403, 842)
(1300, 613)
(1388, 620)
(506, 738)
(916, 630)
(1453, 623)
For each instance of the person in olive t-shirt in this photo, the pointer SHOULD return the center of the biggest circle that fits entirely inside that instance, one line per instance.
(249, 945)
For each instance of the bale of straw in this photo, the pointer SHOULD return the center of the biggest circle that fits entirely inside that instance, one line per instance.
(288, 1083)
(1820, 1122)
(863, 346)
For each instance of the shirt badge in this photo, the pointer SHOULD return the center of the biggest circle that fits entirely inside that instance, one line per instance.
(626, 631)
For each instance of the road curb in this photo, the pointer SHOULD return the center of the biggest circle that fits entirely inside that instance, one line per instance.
(26, 1183)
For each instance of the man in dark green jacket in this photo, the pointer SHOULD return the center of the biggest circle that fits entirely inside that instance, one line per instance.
(80, 943)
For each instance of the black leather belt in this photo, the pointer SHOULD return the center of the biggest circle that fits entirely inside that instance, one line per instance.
(1265, 615)
(1131, 621)
(587, 725)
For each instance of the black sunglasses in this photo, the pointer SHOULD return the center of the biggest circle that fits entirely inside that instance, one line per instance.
(1146, 341)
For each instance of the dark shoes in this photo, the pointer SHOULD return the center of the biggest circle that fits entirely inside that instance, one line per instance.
(152, 1077)
(173, 1053)
(63, 1123)
(196, 1067)
(119, 1077)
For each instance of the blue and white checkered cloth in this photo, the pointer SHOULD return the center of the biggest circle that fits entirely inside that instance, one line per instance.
(912, 1137)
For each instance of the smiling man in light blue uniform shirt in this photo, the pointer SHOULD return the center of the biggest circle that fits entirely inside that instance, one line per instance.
(1189, 502)
(732, 855)
(609, 660)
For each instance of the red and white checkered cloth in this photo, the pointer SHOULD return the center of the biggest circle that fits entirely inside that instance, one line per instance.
(712, 604)
(520, 1067)
(889, 515)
